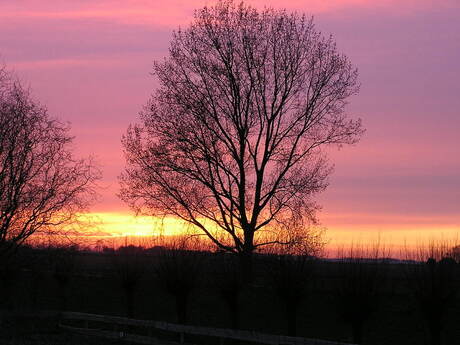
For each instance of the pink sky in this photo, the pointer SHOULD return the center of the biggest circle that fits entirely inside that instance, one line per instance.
(89, 62)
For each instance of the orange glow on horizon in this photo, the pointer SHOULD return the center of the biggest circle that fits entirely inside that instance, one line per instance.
(394, 237)
(125, 224)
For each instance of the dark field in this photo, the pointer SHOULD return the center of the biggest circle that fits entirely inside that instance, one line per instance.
(92, 283)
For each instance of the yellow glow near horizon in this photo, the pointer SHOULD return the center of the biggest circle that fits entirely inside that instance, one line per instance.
(396, 236)
(399, 238)
(122, 224)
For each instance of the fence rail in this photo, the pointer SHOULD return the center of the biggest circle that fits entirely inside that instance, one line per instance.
(181, 330)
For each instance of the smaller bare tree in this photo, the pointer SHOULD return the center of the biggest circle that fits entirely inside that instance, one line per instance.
(42, 185)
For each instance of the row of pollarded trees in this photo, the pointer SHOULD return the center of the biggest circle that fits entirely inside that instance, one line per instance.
(358, 284)
(363, 279)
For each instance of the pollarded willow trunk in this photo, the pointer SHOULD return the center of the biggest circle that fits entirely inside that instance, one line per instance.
(246, 256)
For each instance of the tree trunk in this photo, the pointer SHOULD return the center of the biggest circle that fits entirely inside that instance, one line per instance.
(246, 266)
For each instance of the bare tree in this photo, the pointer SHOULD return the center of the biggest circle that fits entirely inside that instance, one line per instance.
(42, 186)
(233, 139)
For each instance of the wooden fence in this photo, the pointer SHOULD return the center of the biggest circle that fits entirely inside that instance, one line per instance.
(121, 328)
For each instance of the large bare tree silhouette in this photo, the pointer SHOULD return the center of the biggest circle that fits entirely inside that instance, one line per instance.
(233, 139)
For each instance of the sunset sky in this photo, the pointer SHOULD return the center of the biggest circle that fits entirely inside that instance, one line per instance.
(89, 62)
